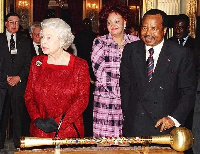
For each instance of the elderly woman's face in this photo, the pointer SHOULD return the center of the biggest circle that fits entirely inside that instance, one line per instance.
(115, 24)
(50, 43)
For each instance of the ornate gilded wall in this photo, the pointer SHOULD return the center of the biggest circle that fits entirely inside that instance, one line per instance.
(1, 16)
(191, 11)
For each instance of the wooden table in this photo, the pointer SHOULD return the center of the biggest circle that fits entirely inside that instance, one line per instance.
(104, 150)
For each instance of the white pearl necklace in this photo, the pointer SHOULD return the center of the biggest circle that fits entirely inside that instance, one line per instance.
(122, 43)
(59, 61)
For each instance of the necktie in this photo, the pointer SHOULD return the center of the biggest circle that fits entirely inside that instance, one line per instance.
(39, 50)
(12, 47)
(181, 41)
(150, 64)
(12, 43)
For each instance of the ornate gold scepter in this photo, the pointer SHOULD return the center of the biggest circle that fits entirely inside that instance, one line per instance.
(180, 139)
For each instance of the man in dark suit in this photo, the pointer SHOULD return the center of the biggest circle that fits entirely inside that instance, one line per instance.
(16, 50)
(181, 31)
(34, 31)
(182, 37)
(83, 42)
(157, 80)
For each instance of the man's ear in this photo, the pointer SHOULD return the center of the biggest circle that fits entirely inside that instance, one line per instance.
(188, 29)
(165, 30)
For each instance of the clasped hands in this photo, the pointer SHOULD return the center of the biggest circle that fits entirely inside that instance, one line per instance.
(166, 123)
(47, 125)
(13, 80)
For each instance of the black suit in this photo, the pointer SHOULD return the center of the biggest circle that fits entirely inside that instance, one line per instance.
(196, 119)
(15, 95)
(189, 43)
(3, 81)
(192, 44)
(33, 51)
(83, 41)
(170, 92)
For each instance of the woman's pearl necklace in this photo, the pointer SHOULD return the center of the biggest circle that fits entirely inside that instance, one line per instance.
(122, 43)
(59, 61)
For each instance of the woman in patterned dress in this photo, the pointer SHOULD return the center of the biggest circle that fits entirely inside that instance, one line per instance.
(106, 58)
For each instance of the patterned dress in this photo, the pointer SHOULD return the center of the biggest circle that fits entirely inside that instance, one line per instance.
(55, 89)
(107, 112)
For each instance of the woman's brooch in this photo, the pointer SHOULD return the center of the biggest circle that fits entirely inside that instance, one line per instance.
(38, 63)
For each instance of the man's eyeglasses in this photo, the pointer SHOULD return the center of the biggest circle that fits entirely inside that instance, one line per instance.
(36, 34)
(13, 22)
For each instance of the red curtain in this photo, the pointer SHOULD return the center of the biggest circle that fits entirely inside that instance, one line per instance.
(39, 9)
(76, 10)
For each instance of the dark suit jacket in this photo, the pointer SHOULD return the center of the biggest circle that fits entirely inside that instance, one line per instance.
(83, 42)
(192, 44)
(3, 81)
(33, 52)
(20, 65)
(189, 43)
(170, 92)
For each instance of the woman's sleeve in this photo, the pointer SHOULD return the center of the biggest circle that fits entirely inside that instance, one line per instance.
(29, 100)
(98, 63)
(80, 101)
(97, 57)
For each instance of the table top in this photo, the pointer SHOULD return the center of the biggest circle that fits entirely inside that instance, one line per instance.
(103, 150)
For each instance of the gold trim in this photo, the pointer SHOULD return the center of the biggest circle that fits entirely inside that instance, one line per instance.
(191, 11)
(2, 16)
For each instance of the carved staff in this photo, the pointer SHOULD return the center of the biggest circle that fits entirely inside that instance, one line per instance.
(180, 139)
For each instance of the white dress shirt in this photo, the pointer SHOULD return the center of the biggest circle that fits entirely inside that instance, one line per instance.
(185, 40)
(36, 47)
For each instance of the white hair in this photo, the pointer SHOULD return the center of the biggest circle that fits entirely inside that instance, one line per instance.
(62, 29)
(34, 25)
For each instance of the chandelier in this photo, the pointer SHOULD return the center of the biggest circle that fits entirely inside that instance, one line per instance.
(23, 4)
(61, 3)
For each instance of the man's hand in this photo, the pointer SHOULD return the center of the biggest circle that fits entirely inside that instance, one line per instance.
(166, 123)
(13, 80)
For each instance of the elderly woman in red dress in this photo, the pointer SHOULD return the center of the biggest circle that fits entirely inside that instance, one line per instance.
(58, 85)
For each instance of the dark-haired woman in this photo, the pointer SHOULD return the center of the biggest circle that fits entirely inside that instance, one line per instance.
(106, 58)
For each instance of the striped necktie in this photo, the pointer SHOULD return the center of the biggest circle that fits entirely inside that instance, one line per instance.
(150, 64)
(12, 47)
(12, 42)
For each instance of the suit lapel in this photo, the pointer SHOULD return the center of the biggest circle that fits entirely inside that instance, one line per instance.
(140, 63)
(162, 64)
(139, 60)
(18, 42)
(18, 46)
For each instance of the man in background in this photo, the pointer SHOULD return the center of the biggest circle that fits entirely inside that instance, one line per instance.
(83, 42)
(181, 31)
(16, 50)
(182, 37)
(133, 30)
(34, 31)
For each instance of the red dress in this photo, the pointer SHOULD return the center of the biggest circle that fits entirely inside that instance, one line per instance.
(55, 89)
